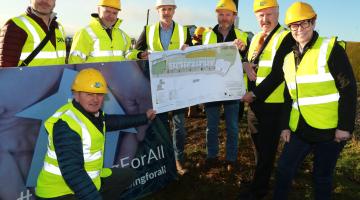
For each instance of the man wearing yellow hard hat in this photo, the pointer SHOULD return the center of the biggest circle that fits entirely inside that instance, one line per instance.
(266, 87)
(34, 38)
(197, 37)
(73, 164)
(224, 31)
(322, 87)
(162, 36)
(102, 40)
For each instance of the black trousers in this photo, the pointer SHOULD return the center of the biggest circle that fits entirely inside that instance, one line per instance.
(111, 187)
(268, 116)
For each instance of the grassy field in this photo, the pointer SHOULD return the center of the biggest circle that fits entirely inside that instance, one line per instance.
(353, 51)
(218, 183)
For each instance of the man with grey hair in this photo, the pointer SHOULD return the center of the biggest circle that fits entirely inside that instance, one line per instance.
(266, 88)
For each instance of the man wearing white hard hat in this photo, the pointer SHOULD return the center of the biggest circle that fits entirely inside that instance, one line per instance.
(167, 35)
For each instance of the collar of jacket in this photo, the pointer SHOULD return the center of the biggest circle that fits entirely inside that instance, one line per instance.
(97, 121)
(31, 13)
(95, 19)
(172, 26)
(229, 38)
(296, 49)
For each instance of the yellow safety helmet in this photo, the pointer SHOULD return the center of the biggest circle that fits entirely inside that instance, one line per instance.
(90, 80)
(226, 5)
(262, 4)
(110, 3)
(299, 11)
(199, 30)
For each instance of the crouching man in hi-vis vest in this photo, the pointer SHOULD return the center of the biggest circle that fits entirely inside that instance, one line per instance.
(320, 119)
(102, 40)
(73, 164)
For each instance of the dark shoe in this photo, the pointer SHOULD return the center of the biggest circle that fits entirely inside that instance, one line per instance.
(180, 169)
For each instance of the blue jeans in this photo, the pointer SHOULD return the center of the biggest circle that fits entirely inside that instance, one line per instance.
(179, 133)
(231, 111)
(294, 153)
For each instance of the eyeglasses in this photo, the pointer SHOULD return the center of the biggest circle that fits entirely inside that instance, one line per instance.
(304, 24)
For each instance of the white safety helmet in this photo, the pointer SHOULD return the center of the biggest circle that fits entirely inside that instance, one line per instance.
(165, 3)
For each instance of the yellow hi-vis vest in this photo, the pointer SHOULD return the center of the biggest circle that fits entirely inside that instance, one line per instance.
(210, 37)
(93, 44)
(50, 182)
(49, 55)
(153, 41)
(266, 60)
(312, 87)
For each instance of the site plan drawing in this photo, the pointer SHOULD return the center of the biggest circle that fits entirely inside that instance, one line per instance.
(198, 74)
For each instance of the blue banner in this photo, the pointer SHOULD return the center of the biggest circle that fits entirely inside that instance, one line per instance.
(31, 95)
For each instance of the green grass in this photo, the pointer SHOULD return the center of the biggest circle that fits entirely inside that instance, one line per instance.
(348, 164)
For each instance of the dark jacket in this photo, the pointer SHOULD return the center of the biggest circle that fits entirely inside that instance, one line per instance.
(12, 39)
(68, 149)
(340, 68)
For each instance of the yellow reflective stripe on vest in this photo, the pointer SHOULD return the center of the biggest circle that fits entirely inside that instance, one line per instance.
(32, 30)
(101, 53)
(207, 37)
(56, 170)
(322, 62)
(269, 63)
(86, 139)
(44, 55)
(317, 100)
(311, 79)
(151, 37)
(181, 35)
